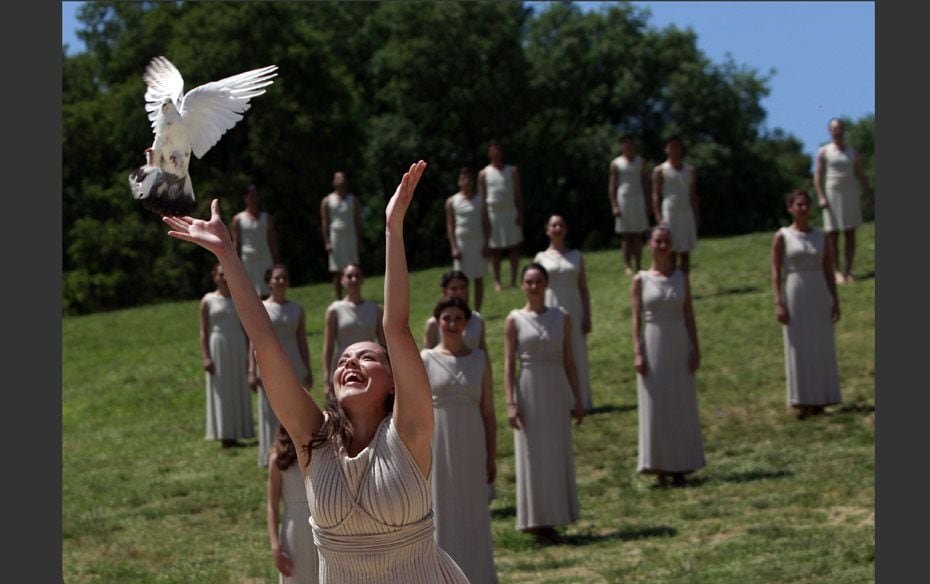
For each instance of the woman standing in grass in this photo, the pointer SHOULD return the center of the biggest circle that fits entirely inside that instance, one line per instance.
(292, 545)
(568, 289)
(468, 229)
(627, 188)
(540, 403)
(289, 324)
(225, 356)
(464, 443)
(808, 308)
(454, 284)
(667, 355)
(367, 460)
(254, 237)
(350, 320)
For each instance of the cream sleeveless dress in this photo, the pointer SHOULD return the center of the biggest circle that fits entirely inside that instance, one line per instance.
(630, 196)
(229, 399)
(811, 369)
(255, 252)
(545, 463)
(295, 535)
(841, 189)
(676, 206)
(372, 516)
(460, 487)
(563, 291)
(502, 208)
(284, 321)
(669, 426)
(354, 323)
(342, 234)
(469, 235)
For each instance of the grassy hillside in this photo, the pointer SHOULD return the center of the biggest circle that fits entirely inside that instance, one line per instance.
(146, 499)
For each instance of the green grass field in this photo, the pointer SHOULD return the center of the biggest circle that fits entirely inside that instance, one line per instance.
(146, 499)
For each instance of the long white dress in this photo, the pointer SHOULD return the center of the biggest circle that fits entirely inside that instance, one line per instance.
(229, 399)
(342, 235)
(841, 189)
(254, 249)
(284, 320)
(676, 206)
(295, 535)
(372, 516)
(669, 425)
(563, 291)
(502, 207)
(547, 494)
(460, 492)
(469, 235)
(811, 370)
(630, 196)
(354, 323)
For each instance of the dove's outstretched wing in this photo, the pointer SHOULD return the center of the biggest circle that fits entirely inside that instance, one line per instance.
(211, 109)
(164, 82)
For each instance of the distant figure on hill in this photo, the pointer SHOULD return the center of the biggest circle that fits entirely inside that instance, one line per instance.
(627, 188)
(341, 220)
(808, 308)
(468, 228)
(499, 184)
(840, 181)
(675, 200)
(254, 236)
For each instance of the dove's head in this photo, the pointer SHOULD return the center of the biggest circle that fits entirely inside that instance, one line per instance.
(169, 111)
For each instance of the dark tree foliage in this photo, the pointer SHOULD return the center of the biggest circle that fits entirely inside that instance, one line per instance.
(369, 88)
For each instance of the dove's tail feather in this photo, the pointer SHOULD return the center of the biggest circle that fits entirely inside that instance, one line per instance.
(162, 192)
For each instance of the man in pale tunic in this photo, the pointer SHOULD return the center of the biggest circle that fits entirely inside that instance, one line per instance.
(499, 184)
(341, 223)
(839, 195)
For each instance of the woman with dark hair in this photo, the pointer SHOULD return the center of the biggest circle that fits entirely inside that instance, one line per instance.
(675, 200)
(347, 321)
(568, 289)
(454, 284)
(367, 460)
(541, 401)
(289, 324)
(627, 188)
(341, 223)
(225, 359)
(666, 356)
(808, 308)
(464, 443)
(292, 544)
(468, 229)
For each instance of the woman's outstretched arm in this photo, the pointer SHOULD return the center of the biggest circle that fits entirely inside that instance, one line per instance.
(293, 406)
(413, 397)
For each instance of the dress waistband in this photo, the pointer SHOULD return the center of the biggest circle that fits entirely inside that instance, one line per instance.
(407, 535)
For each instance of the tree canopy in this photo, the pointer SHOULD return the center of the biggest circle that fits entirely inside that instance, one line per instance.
(370, 87)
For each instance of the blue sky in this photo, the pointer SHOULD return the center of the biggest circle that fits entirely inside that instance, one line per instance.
(823, 53)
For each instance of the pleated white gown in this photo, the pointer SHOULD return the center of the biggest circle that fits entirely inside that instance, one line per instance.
(547, 494)
(811, 370)
(841, 189)
(676, 206)
(630, 196)
(669, 425)
(469, 235)
(342, 234)
(295, 536)
(255, 252)
(460, 487)
(229, 399)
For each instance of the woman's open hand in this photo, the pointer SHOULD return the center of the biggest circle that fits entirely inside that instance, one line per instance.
(397, 206)
(211, 235)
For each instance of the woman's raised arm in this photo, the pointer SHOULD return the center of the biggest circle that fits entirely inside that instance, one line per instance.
(413, 397)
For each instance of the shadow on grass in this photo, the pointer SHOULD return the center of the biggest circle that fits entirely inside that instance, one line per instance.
(728, 292)
(754, 475)
(609, 409)
(504, 512)
(626, 534)
(859, 408)
(866, 276)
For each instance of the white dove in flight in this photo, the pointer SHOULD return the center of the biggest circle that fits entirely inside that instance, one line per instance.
(184, 124)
